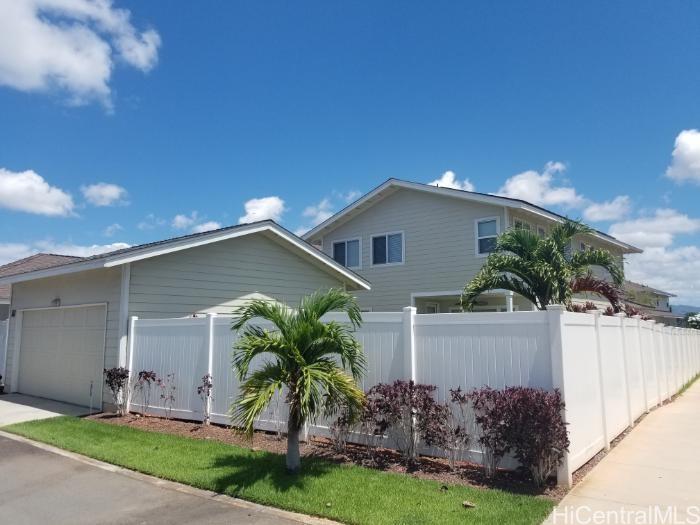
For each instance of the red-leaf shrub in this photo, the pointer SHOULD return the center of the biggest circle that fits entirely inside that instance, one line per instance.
(117, 380)
(457, 423)
(490, 410)
(535, 430)
(409, 413)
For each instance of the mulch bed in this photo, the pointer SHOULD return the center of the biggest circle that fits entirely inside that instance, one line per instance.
(436, 469)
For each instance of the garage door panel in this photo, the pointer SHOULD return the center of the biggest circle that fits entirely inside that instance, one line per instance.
(62, 353)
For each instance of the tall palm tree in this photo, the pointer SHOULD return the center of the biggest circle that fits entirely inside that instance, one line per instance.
(304, 354)
(545, 270)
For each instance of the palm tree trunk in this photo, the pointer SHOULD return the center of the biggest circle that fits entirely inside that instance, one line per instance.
(293, 457)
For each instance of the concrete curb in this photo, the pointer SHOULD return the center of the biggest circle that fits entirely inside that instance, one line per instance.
(172, 485)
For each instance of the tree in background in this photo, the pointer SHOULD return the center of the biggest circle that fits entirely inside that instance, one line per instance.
(545, 270)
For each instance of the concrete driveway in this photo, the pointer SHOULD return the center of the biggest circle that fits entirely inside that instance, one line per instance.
(38, 486)
(17, 408)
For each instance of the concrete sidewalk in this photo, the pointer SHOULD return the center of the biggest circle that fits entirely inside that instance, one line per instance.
(18, 408)
(656, 466)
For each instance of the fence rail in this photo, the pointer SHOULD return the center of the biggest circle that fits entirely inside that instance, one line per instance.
(610, 370)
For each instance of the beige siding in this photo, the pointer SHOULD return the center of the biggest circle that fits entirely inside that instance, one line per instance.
(218, 277)
(94, 286)
(439, 245)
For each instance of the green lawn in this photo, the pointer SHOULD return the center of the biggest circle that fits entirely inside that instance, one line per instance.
(349, 494)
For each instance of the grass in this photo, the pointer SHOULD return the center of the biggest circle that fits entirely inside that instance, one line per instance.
(345, 493)
(687, 385)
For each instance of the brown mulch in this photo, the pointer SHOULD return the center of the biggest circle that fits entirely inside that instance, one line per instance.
(436, 469)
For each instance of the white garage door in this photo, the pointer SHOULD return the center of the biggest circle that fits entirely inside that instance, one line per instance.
(62, 354)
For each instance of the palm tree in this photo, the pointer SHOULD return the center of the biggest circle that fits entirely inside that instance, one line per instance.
(304, 355)
(544, 270)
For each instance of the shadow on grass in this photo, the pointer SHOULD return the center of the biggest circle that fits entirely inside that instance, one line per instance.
(265, 468)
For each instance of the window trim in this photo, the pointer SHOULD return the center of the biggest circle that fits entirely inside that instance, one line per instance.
(432, 303)
(359, 242)
(386, 234)
(543, 229)
(477, 253)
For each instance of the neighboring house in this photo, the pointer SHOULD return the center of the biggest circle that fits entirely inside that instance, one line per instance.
(420, 244)
(654, 303)
(68, 322)
(38, 261)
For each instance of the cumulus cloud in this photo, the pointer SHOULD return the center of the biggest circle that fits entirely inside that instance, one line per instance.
(182, 222)
(206, 226)
(685, 159)
(613, 210)
(104, 194)
(656, 230)
(542, 188)
(110, 230)
(151, 222)
(12, 251)
(319, 212)
(71, 46)
(261, 209)
(28, 191)
(449, 180)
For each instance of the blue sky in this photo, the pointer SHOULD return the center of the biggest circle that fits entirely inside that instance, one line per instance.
(118, 118)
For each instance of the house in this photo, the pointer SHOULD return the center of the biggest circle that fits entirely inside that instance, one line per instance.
(37, 261)
(420, 244)
(69, 321)
(652, 302)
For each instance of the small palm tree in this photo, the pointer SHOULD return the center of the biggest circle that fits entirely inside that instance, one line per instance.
(304, 360)
(544, 270)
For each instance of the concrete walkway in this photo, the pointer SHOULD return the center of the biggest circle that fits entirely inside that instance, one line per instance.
(17, 408)
(653, 474)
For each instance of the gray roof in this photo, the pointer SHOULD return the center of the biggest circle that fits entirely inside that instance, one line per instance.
(39, 261)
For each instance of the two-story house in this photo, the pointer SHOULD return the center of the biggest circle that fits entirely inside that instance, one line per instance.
(652, 302)
(420, 244)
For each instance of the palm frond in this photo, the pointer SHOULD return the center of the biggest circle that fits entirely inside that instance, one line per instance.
(316, 305)
(256, 392)
(580, 261)
(593, 284)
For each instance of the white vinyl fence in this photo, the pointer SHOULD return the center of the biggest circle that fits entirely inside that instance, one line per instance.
(610, 370)
(3, 345)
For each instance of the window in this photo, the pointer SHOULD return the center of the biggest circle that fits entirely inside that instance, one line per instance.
(347, 253)
(432, 308)
(521, 225)
(584, 247)
(486, 234)
(387, 248)
(541, 232)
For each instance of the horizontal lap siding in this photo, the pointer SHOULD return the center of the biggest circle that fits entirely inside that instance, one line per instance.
(439, 245)
(94, 286)
(218, 277)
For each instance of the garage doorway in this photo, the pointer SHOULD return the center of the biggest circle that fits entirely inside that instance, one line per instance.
(61, 353)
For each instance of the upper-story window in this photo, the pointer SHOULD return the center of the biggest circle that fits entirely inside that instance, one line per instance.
(387, 248)
(347, 252)
(521, 225)
(585, 247)
(486, 235)
(541, 232)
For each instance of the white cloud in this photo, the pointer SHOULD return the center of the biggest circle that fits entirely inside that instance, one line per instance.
(12, 251)
(71, 46)
(110, 230)
(350, 196)
(262, 209)
(182, 222)
(685, 162)
(104, 194)
(449, 180)
(542, 189)
(613, 210)
(151, 222)
(655, 231)
(28, 191)
(319, 212)
(206, 226)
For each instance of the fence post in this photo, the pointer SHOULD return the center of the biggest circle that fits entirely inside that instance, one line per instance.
(131, 335)
(211, 317)
(409, 342)
(601, 378)
(555, 320)
(622, 316)
(641, 361)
